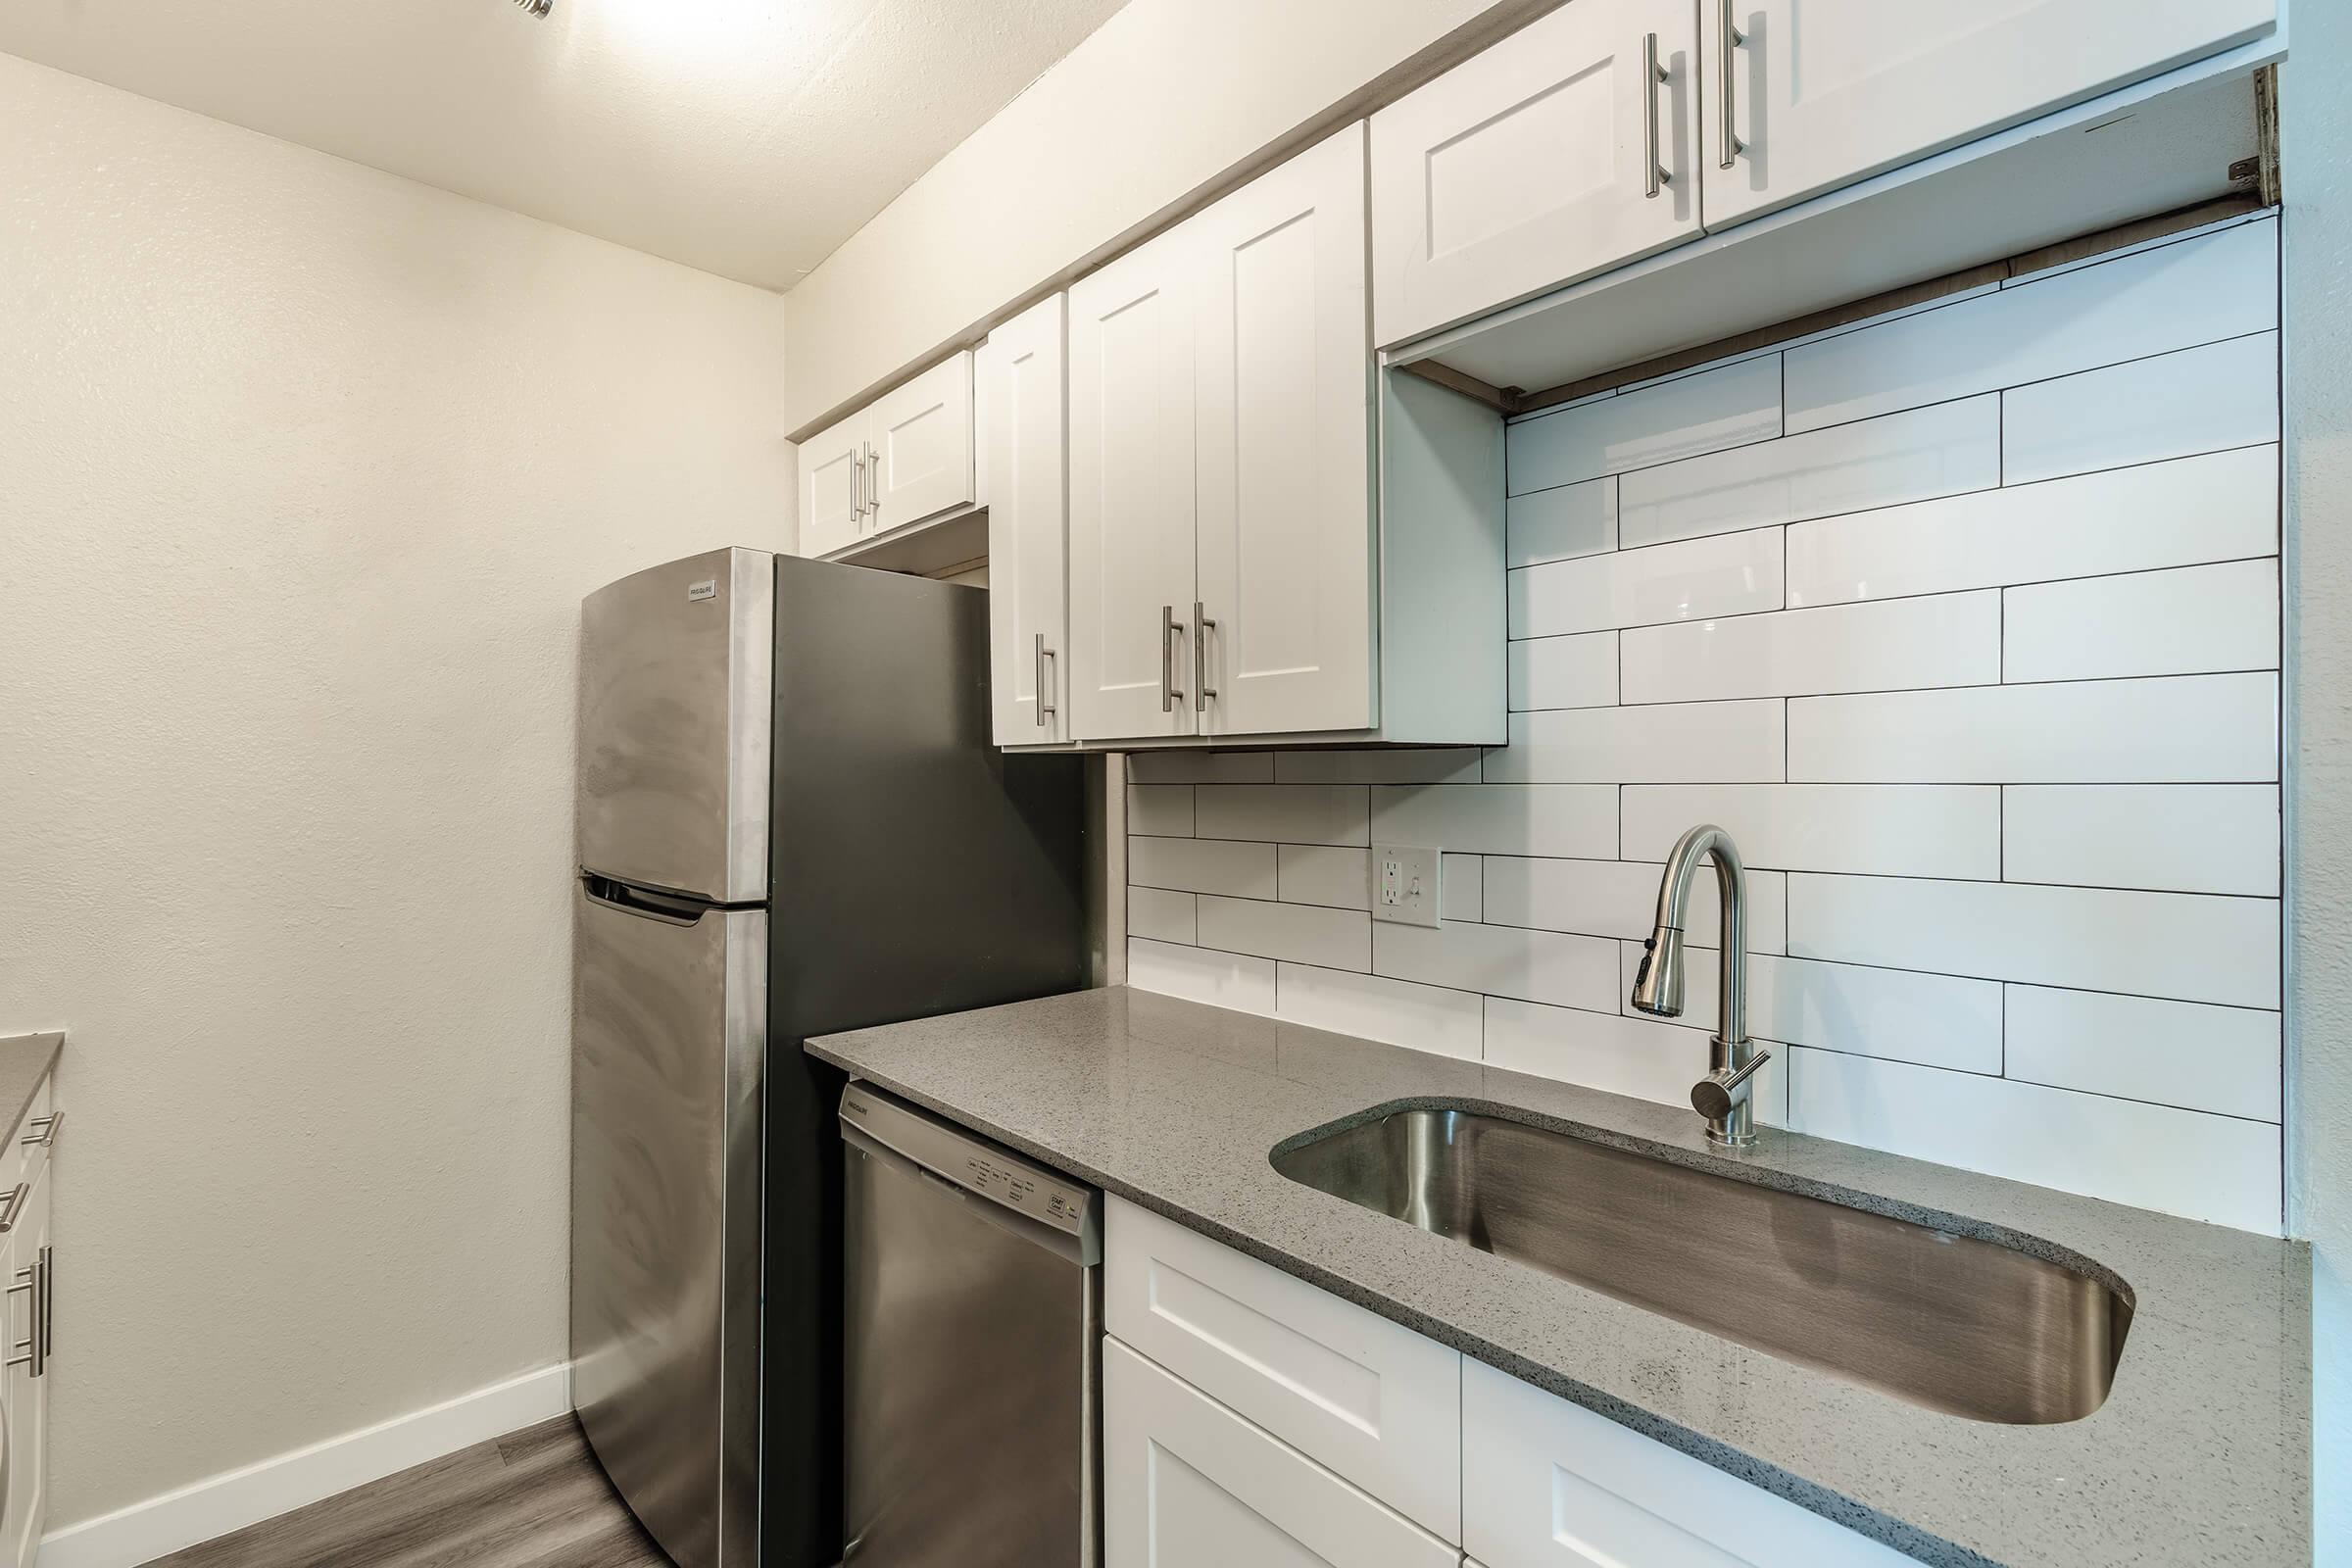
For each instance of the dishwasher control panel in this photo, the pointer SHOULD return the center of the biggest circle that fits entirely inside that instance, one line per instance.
(961, 1158)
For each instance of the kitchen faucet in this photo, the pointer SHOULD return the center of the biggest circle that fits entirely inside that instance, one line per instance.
(1724, 1096)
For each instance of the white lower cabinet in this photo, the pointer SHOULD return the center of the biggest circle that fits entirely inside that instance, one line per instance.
(24, 1263)
(1374, 1400)
(1250, 1420)
(1547, 1484)
(1187, 1484)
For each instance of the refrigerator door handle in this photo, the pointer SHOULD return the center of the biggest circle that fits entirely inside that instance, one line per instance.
(641, 901)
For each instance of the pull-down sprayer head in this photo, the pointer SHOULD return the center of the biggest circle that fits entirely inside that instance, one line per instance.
(1658, 983)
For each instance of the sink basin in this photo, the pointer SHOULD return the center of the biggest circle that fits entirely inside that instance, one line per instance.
(1949, 1322)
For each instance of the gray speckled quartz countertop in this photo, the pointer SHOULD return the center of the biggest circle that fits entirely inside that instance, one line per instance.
(25, 1061)
(2201, 1455)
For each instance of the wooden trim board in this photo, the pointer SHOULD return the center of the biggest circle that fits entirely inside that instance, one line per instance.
(235, 1498)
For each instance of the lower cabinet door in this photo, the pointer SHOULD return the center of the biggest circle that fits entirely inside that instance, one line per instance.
(1187, 1484)
(1547, 1484)
(27, 1415)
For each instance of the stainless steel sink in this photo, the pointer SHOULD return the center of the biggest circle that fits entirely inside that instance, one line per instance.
(1956, 1324)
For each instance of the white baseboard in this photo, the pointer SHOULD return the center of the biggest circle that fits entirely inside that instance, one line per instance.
(148, 1530)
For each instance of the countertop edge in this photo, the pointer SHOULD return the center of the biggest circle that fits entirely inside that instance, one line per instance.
(1898, 1534)
(43, 1048)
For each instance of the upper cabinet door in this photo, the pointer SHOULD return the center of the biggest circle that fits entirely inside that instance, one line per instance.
(921, 463)
(1131, 494)
(1283, 636)
(1024, 440)
(1557, 154)
(1826, 92)
(833, 490)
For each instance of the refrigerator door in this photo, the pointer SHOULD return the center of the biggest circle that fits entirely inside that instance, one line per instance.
(676, 671)
(669, 1032)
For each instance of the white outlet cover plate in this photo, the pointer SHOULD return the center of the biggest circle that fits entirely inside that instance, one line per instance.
(1405, 884)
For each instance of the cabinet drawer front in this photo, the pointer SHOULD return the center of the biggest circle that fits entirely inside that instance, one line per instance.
(1187, 1484)
(18, 1159)
(923, 436)
(1548, 1484)
(1527, 166)
(1831, 91)
(1374, 1400)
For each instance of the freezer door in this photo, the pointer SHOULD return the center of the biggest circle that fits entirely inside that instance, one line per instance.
(669, 1029)
(676, 668)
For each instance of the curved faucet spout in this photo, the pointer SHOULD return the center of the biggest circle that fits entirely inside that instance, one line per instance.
(1724, 1096)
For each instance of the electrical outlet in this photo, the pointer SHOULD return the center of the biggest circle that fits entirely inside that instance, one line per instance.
(1404, 885)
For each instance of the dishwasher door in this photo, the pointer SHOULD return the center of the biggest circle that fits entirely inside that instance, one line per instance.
(973, 1343)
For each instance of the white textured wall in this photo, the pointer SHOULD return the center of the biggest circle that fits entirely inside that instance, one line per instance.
(1164, 99)
(2316, 135)
(303, 471)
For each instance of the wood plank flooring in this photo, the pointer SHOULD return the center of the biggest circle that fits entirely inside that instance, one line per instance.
(535, 1498)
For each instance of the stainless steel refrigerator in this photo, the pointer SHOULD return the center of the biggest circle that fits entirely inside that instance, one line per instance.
(791, 820)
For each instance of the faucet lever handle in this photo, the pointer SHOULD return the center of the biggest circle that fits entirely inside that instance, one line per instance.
(1716, 1095)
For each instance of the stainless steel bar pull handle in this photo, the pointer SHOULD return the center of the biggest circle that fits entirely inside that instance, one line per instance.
(856, 487)
(1657, 177)
(1169, 630)
(1727, 37)
(1202, 690)
(1044, 682)
(873, 483)
(44, 1131)
(15, 1209)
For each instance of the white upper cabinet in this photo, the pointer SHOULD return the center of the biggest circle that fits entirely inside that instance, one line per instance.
(903, 458)
(921, 437)
(1024, 441)
(833, 487)
(1131, 494)
(1569, 148)
(1282, 640)
(1826, 92)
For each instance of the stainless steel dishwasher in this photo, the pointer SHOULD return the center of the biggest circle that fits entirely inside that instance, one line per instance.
(972, 1345)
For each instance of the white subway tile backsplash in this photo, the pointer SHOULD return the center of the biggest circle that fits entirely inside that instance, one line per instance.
(1198, 974)
(1202, 865)
(1579, 819)
(1441, 764)
(1187, 765)
(1726, 574)
(1931, 830)
(1732, 743)
(1422, 1017)
(2184, 622)
(2218, 285)
(1502, 961)
(1311, 874)
(1937, 1020)
(2221, 507)
(1461, 887)
(2187, 946)
(1288, 813)
(1163, 810)
(1333, 939)
(1890, 645)
(1621, 1055)
(1974, 650)
(1620, 898)
(1555, 524)
(1914, 455)
(2204, 399)
(2177, 838)
(2176, 729)
(2212, 1168)
(1575, 671)
(1727, 406)
(2221, 1059)
(1160, 914)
